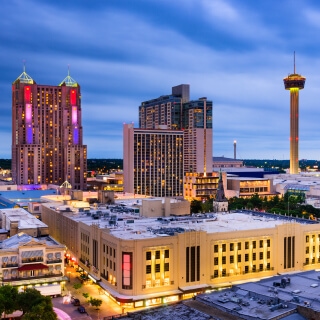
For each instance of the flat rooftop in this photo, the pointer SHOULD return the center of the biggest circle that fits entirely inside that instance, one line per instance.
(130, 226)
(24, 218)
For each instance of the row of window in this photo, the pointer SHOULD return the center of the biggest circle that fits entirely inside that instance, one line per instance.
(246, 258)
(109, 250)
(157, 268)
(223, 272)
(239, 245)
(157, 254)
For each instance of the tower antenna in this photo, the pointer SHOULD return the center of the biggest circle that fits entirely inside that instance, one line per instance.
(68, 69)
(24, 65)
(294, 62)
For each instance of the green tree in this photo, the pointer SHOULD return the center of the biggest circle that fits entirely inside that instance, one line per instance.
(95, 302)
(8, 299)
(195, 206)
(28, 299)
(41, 311)
(77, 286)
(86, 295)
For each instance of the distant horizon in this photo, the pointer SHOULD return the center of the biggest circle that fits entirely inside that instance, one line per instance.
(235, 53)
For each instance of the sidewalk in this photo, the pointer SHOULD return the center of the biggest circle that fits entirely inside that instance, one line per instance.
(108, 307)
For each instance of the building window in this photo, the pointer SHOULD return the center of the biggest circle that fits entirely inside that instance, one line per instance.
(239, 257)
(231, 246)
(307, 260)
(246, 257)
(215, 273)
(231, 259)
(261, 243)
(254, 244)
(254, 269)
(261, 255)
(261, 267)
(239, 245)
(254, 256)
(148, 255)
(307, 249)
(268, 254)
(148, 269)
(157, 267)
(126, 270)
(307, 238)
(224, 247)
(246, 245)
(268, 243)
(224, 273)
(216, 261)
(224, 260)
(158, 254)
(268, 266)
(166, 266)
(166, 253)
(216, 248)
(246, 269)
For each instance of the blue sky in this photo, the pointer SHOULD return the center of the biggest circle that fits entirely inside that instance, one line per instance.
(122, 52)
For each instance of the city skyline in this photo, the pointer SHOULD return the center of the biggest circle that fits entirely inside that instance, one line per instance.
(122, 53)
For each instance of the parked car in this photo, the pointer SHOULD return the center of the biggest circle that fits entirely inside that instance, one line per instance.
(76, 302)
(81, 309)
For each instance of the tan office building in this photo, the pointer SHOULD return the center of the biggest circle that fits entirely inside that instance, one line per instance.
(149, 261)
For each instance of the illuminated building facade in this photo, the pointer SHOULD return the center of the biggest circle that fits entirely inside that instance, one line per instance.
(294, 82)
(198, 185)
(153, 161)
(151, 262)
(177, 112)
(185, 124)
(47, 144)
(245, 187)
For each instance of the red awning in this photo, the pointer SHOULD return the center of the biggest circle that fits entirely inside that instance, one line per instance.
(33, 266)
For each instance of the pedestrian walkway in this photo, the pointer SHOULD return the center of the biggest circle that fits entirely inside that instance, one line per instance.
(108, 307)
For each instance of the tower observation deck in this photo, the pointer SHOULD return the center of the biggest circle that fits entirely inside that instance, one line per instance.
(294, 82)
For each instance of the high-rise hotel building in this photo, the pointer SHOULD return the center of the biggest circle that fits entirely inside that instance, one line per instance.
(47, 145)
(186, 127)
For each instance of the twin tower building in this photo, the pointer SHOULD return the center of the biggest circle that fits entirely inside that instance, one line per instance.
(47, 145)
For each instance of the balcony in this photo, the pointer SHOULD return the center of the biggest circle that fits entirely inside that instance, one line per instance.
(54, 261)
(9, 265)
(32, 260)
(48, 275)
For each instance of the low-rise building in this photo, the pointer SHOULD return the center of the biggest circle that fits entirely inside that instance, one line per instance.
(32, 262)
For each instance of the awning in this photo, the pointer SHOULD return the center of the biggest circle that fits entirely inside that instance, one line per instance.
(33, 266)
(195, 288)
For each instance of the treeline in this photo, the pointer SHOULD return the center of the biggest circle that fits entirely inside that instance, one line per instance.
(292, 205)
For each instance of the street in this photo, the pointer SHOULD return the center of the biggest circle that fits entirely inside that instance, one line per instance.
(107, 308)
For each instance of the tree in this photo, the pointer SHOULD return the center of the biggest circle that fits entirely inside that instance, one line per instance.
(77, 286)
(41, 311)
(95, 302)
(86, 295)
(8, 299)
(28, 299)
(195, 206)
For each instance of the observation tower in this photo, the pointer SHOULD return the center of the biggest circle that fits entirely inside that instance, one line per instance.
(294, 82)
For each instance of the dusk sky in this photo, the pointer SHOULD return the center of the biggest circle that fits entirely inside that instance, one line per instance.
(122, 52)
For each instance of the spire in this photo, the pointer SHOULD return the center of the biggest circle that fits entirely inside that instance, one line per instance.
(220, 196)
(68, 81)
(24, 77)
